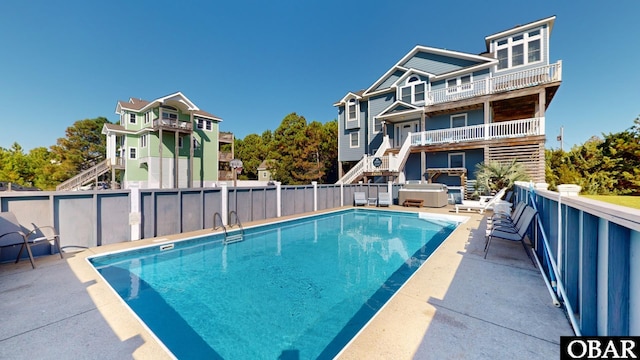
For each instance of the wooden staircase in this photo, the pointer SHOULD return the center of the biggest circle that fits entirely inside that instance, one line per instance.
(85, 177)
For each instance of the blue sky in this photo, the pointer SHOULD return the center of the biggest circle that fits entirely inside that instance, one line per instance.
(254, 62)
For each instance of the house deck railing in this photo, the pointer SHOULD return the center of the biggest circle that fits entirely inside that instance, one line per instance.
(517, 80)
(172, 124)
(497, 130)
(394, 162)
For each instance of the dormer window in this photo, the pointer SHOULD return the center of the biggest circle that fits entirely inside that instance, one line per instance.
(352, 110)
(519, 49)
(413, 92)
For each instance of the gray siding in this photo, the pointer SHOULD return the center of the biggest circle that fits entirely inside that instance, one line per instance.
(390, 80)
(475, 117)
(412, 169)
(381, 102)
(437, 64)
(441, 160)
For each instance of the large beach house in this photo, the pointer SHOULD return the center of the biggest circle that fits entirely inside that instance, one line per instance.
(437, 113)
(165, 143)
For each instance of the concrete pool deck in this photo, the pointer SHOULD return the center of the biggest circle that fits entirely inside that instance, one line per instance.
(456, 306)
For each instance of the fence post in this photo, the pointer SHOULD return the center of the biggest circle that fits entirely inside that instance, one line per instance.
(315, 195)
(224, 199)
(278, 199)
(341, 195)
(134, 211)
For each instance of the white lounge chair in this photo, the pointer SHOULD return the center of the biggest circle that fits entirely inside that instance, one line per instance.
(384, 199)
(481, 205)
(359, 198)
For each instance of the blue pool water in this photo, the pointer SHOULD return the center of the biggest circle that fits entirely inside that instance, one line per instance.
(292, 290)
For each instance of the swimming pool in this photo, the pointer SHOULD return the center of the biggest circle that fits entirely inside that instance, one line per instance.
(296, 289)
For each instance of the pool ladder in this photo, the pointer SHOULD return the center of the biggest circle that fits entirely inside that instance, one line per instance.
(229, 238)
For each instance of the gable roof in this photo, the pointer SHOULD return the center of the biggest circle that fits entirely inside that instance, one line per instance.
(176, 99)
(398, 108)
(357, 95)
(421, 56)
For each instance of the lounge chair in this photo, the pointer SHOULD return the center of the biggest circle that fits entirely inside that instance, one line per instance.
(521, 228)
(359, 198)
(11, 233)
(486, 203)
(384, 199)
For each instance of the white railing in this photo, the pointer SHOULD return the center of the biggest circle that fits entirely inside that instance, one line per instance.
(517, 80)
(499, 130)
(358, 169)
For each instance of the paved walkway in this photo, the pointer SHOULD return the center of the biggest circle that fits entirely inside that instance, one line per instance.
(457, 306)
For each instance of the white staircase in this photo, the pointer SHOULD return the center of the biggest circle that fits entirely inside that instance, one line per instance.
(86, 176)
(392, 162)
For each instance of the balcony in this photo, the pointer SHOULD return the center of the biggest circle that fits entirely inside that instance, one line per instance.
(225, 156)
(173, 125)
(497, 84)
(493, 131)
(225, 175)
(225, 137)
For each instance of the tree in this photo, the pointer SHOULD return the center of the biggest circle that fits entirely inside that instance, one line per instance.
(83, 147)
(494, 176)
(288, 145)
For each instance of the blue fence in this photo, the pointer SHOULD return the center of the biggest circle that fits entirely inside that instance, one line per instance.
(96, 218)
(590, 253)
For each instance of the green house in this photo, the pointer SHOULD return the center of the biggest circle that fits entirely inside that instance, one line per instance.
(166, 143)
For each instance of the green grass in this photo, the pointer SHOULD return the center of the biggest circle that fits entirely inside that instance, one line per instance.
(629, 201)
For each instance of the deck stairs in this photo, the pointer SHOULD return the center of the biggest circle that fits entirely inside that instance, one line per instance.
(394, 159)
(86, 176)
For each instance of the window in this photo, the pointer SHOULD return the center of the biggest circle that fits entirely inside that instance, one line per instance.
(143, 141)
(355, 139)
(377, 125)
(147, 117)
(458, 120)
(519, 49)
(533, 49)
(414, 90)
(180, 142)
(132, 118)
(459, 84)
(169, 113)
(132, 153)
(352, 110)
(517, 55)
(204, 124)
(456, 160)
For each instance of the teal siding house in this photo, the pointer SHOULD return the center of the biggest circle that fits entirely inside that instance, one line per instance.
(436, 113)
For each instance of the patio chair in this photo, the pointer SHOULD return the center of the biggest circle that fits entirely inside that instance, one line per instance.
(485, 203)
(384, 199)
(11, 233)
(525, 221)
(507, 219)
(359, 198)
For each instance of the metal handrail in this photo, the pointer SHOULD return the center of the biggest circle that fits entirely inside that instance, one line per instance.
(556, 281)
(215, 227)
(237, 222)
